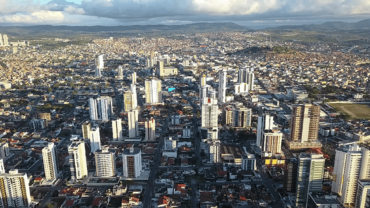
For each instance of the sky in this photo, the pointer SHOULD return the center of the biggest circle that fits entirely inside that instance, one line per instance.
(255, 14)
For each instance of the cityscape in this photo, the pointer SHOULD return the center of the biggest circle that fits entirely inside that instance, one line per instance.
(200, 115)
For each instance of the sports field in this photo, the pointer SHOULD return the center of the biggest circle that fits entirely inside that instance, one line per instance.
(353, 110)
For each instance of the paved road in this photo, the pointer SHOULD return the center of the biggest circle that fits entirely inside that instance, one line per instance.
(149, 190)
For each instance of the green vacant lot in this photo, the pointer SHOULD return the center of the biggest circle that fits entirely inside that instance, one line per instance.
(354, 111)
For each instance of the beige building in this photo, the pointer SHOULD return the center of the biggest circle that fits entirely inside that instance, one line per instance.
(272, 141)
(165, 71)
(304, 125)
(15, 190)
(105, 162)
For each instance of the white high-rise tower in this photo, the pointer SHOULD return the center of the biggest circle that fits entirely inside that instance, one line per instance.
(50, 163)
(131, 159)
(93, 109)
(133, 123)
(105, 162)
(95, 139)
(105, 108)
(209, 113)
(77, 160)
(134, 96)
(222, 86)
(265, 122)
(150, 129)
(99, 63)
(352, 163)
(133, 78)
(153, 91)
(120, 72)
(15, 190)
(117, 129)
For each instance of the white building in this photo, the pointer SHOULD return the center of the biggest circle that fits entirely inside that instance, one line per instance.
(214, 151)
(105, 107)
(363, 194)
(95, 139)
(153, 91)
(4, 150)
(77, 160)
(117, 129)
(131, 159)
(105, 162)
(150, 129)
(99, 63)
(240, 88)
(242, 117)
(93, 110)
(272, 140)
(133, 78)
(134, 96)
(309, 176)
(133, 123)
(222, 86)
(50, 163)
(15, 190)
(120, 72)
(351, 164)
(249, 162)
(265, 122)
(209, 113)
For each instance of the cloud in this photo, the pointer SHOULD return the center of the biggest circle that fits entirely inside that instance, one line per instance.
(115, 12)
(40, 17)
(74, 10)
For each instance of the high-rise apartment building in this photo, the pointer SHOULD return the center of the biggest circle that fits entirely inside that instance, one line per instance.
(95, 138)
(272, 140)
(1, 40)
(50, 162)
(128, 97)
(150, 129)
(93, 109)
(134, 96)
(222, 75)
(241, 88)
(209, 113)
(133, 123)
(246, 76)
(77, 160)
(214, 151)
(242, 117)
(105, 162)
(227, 115)
(250, 80)
(117, 129)
(105, 107)
(15, 190)
(133, 78)
(6, 41)
(265, 122)
(309, 176)
(290, 175)
(131, 159)
(153, 91)
(249, 162)
(363, 194)
(351, 164)
(86, 127)
(4, 150)
(305, 123)
(99, 65)
(120, 72)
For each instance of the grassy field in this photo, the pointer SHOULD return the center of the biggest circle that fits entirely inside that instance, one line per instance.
(354, 111)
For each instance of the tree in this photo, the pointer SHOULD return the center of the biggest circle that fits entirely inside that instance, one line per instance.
(198, 114)
(50, 89)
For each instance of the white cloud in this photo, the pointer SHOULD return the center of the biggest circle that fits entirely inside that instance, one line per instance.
(39, 17)
(164, 11)
(74, 10)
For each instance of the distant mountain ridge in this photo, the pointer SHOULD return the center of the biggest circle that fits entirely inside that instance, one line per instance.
(186, 28)
(337, 25)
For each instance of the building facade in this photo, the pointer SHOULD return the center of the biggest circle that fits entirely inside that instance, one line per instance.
(153, 91)
(150, 129)
(15, 190)
(131, 159)
(117, 129)
(105, 162)
(77, 160)
(50, 163)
